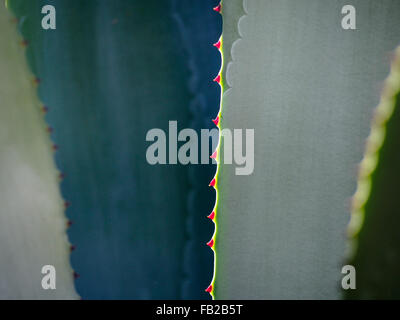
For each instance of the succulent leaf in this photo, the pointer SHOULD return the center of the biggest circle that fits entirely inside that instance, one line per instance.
(32, 221)
(110, 72)
(374, 227)
(307, 87)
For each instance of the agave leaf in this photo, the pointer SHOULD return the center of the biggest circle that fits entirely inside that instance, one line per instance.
(111, 71)
(32, 221)
(374, 227)
(308, 88)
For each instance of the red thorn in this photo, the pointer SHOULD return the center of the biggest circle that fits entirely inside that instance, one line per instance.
(44, 109)
(54, 147)
(49, 129)
(216, 121)
(214, 155)
(66, 204)
(209, 289)
(69, 223)
(211, 216)
(14, 20)
(36, 80)
(218, 8)
(61, 176)
(210, 243)
(24, 43)
(72, 248)
(218, 78)
(76, 276)
(212, 183)
(218, 44)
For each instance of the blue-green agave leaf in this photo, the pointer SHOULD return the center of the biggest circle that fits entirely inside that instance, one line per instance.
(111, 71)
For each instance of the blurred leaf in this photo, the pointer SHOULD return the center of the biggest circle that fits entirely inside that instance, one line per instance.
(375, 219)
(32, 221)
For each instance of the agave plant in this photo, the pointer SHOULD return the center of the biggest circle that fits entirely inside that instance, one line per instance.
(77, 191)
